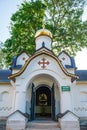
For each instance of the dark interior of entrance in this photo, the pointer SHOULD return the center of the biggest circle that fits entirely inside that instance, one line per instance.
(43, 102)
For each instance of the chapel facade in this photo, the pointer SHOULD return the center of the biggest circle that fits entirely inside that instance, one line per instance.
(43, 85)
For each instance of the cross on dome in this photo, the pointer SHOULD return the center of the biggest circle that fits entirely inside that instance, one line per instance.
(43, 26)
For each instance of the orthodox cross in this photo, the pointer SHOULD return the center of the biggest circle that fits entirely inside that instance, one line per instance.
(43, 63)
(43, 26)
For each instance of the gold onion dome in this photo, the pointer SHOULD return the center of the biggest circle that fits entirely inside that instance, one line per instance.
(43, 32)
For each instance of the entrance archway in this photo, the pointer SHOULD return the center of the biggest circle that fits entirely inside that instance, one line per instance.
(43, 102)
(38, 84)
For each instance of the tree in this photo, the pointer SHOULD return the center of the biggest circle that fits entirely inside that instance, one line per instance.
(24, 23)
(68, 30)
(0, 59)
(62, 17)
(1, 56)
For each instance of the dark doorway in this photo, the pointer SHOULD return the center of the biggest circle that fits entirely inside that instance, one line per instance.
(43, 102)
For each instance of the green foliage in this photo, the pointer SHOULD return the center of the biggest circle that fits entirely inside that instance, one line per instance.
(1, 56)
(68, 30)
(1, 64)
(24, 23)
(62, 17)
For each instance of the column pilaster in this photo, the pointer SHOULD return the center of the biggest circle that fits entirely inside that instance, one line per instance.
(20, 102)
(65, 98)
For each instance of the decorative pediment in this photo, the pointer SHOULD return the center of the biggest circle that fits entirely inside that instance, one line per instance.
(67, 60)
(40, 59)
(19, 61)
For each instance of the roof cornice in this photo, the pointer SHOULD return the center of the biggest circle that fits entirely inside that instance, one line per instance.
(81, 82)
(5, 83)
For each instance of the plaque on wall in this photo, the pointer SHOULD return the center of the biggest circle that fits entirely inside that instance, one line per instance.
(65, 88)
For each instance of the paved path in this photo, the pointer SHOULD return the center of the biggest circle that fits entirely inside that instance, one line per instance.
(42, 125)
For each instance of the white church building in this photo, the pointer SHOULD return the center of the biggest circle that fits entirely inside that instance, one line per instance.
(43, 86)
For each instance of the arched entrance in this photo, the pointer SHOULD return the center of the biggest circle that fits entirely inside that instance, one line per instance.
(43, 102)
(43, 97)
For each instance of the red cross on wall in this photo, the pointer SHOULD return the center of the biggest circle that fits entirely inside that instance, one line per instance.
(43, 63)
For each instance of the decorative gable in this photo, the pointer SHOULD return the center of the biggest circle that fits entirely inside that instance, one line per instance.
(67, 61)
(19, 61)
(44, 59)
(22, 58)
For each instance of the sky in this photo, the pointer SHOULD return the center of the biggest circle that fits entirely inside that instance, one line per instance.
(8, 7)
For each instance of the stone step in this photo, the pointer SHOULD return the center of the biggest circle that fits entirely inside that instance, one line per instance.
(42, 125)
(45, 129)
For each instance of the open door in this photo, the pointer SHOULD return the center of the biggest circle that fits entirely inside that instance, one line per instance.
(53, 103)
(43, 102)
(33, 103)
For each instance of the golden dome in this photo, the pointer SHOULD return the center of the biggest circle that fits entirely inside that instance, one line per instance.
(43, 32)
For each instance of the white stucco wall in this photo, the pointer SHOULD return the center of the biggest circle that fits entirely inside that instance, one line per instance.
(57, 100)
(7, 99)
(79, 99)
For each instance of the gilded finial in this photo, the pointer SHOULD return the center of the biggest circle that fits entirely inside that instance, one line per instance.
(43, 26)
